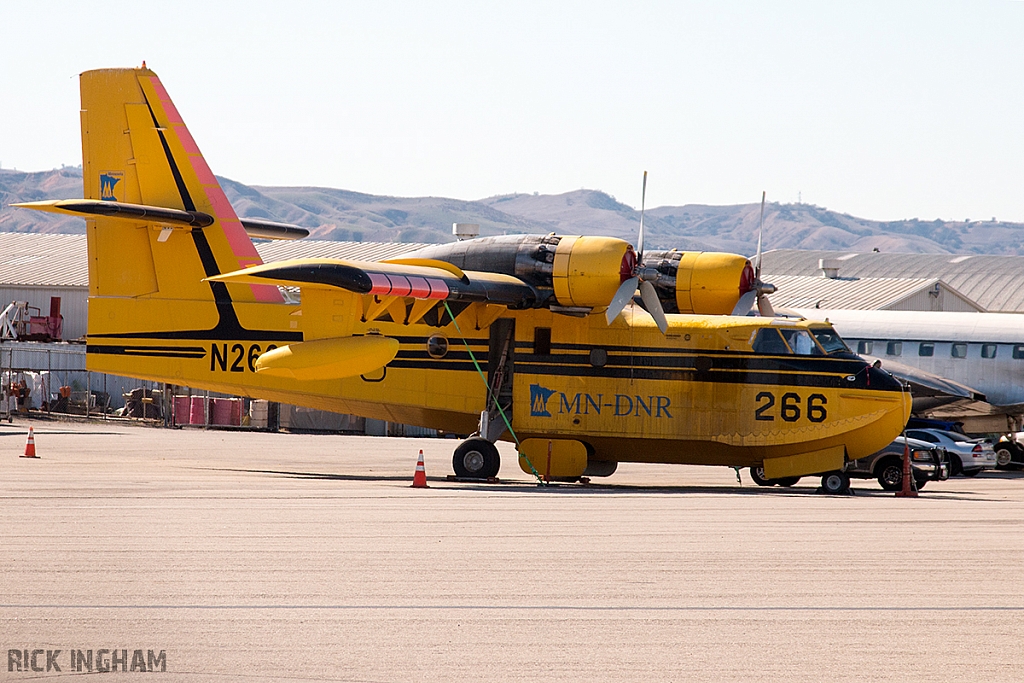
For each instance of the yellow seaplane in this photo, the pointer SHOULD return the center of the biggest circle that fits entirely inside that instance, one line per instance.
(540, 339)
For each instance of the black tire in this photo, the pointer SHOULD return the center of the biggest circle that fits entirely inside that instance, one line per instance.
(955, 466)
(1004, 458)
(890, 475)
(835, 483)
(920, 483)
(786, 481)
(476, 458)
(757, 474)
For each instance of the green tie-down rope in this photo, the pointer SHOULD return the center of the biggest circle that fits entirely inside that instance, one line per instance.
(519, 447)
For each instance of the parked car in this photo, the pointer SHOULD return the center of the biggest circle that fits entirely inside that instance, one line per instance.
(966, 456)
(932, 423)
(927, 461)
(1010, 452)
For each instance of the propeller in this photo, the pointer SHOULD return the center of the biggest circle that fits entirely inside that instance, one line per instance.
(627, 290)
(759, 291)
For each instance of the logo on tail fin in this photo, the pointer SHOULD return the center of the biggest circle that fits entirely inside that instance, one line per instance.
(108, 183)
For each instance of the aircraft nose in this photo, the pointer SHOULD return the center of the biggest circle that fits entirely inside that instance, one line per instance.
(880, 379)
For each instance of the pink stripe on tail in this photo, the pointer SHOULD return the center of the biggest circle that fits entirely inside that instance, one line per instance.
(202, 170)
(267, 293)
(186, 139)
(161, 92)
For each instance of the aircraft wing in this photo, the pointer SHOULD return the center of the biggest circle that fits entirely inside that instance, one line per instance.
(421, 279)
(930, 390)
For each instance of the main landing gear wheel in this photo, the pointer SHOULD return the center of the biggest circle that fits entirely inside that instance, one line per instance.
(835, 483)
(757, 474)
(476, 458)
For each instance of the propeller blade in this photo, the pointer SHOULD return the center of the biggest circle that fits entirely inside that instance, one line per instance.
(622, 297)
(746, 303)
(640, 237)
(760, 232)
(653, 305)
(764, 306)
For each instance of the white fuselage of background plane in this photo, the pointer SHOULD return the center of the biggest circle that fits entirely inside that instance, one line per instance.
(985, 351)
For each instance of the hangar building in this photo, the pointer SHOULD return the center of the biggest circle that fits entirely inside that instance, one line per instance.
(994, 284)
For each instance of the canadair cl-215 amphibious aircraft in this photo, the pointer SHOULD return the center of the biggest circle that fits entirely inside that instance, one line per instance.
(532, 338)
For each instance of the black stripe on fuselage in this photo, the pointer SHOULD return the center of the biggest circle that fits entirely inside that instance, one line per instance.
(452, 341)
(703, 361)
(692, 362)
(222, 332)
(153, 351)
(678, 375)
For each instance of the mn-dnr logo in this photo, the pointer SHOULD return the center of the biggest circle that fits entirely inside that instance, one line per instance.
(618, 405)
(101, 660)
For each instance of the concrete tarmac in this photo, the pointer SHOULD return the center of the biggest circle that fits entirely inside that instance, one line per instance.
(256, 556)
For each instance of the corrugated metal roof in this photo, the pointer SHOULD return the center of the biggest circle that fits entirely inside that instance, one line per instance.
(281, 250)
(43, 259)
(869, 293)
(59, 260)
(996, 283)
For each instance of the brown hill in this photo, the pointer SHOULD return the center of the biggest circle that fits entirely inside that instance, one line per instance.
(16, 186)
(344, 215)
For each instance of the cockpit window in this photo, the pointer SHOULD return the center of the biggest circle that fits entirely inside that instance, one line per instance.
(801, 343)
(829, 340)
(768, 340)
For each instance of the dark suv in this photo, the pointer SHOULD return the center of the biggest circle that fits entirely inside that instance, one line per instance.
(928, 462)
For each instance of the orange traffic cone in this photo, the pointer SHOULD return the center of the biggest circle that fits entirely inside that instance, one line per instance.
(30, 445)
(907, 491)
(419, 480)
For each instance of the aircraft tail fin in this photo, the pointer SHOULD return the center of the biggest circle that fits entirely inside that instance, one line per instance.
(136, 149)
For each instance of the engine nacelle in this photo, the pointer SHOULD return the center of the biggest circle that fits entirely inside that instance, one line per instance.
(582, 272)
(701, 282)
(588, 270)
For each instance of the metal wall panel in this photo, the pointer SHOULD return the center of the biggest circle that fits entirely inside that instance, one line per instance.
(73, 304)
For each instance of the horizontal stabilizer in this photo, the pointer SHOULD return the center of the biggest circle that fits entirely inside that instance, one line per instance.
(390, 279)
(98, 208)
(269, 230)
(91, 208)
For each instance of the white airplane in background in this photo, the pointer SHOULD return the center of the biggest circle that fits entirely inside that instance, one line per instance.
(952, 356)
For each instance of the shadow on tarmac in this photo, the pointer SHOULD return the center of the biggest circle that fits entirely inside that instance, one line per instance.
(316, 475)
(560, 488)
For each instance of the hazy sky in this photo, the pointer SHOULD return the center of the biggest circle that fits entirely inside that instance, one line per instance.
(883, 110)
